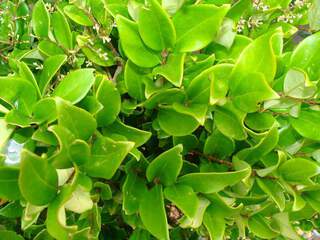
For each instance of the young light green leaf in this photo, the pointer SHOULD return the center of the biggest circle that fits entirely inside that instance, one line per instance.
(133, 46)
(75, 86)
(76, 120)
(172, 6)
(196, 25)
(166, 167)
(40, 20)
(109, 96)
(155, 27)
(153, 214)
(38, 180)
(297, 84)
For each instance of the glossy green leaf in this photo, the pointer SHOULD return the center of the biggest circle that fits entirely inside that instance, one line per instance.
(153, 214)
(169, 119)
(77, 15)
(172, 70)
(76, 120)
(133, 46)
(229, 122)
(166, 167)
(133, 78)
(306, 58)
(155, 27)
(75, 85)
(314, 15)
(40, 20)
(109, 96)
(307, 124)
(50, 67)
(107, 156)
(139, 137)
(196, 25)
(6, 234)
(79, 152)
(38, 180)
(61, 30)
(49, 48)
(299, 170)
(45, 111)
(212, 182)
(218, 145)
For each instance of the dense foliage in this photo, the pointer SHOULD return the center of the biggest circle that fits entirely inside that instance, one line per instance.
(172, 119)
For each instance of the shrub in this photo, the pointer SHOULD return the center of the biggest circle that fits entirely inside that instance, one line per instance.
(140, 120)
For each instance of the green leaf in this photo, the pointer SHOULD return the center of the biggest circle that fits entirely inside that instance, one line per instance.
(38, 180)
(133, 190)
(226, 34)
(6, 234)
(282, 221)
(40, 20)
(107, 156)
(5, 133)
(169, 119)
(251, 63)
(307, 124)
(75, 85)
(266, 144)
(76, 120)
(172, 70)
(166, 167)
(219, 145)
(229, 122)
(56, 215)
(184, 198)
(214, 181)
(153, 214)
(61, 158)
(77, 15)
(9, 187)
(259, 226)
(314, 15)
(196, 25)
(50, 67)
(139, 137)
(214, 222)
(299, 170)
(251, 90)
(133, 46)
(306, 58)
(297, 84)
(79, 152)
(274, 190)
(109, 96)
(49, 48)
(155, 27)
(61, 30)
(25, 73)
(196, 221)
(45, 111)
(133, 78)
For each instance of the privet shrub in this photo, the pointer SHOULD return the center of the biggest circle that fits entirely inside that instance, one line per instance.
(159, 120)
